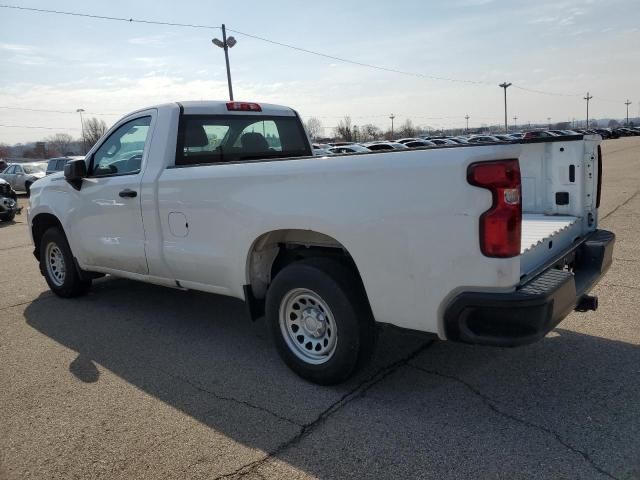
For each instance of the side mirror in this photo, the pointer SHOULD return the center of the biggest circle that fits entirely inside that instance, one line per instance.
(74, 172)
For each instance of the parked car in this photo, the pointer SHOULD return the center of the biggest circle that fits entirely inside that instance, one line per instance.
(484, 139)
(538, 134)
(380, 145)
(8, 202)
(353, 148)
(448, 241)
(442, 141)
(22, 175)
(562, 133)
(57, 164)
(320, 149)
(460, 140)
(407, 140)
(420, 143)
(505, 137)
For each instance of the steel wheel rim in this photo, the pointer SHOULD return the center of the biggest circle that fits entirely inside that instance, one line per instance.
(308, 326)
(56, 268)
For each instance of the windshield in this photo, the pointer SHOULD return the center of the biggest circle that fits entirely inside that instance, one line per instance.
(35, 168)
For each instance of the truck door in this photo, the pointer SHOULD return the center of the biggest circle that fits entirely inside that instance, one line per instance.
(106, 222)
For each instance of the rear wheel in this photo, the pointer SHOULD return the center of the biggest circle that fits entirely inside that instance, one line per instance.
(58, 267)
(320, 320)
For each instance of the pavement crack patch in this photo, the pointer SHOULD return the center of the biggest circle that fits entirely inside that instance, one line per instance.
(620, 206)
(619, 285)
(200, 388)
(356, 392)
(15, 246)
(493, 406)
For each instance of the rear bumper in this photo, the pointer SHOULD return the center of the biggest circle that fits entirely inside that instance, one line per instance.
(535, 307)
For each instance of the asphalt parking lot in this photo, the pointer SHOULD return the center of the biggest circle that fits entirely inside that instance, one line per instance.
(139, 381)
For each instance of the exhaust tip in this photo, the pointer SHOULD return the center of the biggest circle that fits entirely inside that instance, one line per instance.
(586, 303)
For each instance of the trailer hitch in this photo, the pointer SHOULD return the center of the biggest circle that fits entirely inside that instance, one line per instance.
(586, 303)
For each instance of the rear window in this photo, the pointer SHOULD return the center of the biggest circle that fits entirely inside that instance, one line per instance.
(233, 138)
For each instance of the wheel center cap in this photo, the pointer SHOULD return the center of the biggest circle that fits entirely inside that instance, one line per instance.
(314, 323)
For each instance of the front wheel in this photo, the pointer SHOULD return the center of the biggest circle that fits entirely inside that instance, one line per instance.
(58, 267)
(320, 320)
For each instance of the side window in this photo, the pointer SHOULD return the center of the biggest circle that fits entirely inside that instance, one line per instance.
(18, 170)
(122, 151)
(11, 169)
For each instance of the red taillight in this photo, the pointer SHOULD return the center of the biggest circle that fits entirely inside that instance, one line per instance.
(501, 225)
(243, 107)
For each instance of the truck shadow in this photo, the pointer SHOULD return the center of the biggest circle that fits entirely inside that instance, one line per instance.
(200, 354)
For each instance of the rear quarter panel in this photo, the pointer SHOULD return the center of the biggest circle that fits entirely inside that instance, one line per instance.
(408, 219)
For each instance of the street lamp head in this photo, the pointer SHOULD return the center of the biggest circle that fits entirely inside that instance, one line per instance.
(80, 110)
(217, 43)
(231, 41)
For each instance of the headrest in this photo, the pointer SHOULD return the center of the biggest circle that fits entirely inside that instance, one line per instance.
(195, 136)
(254, 142)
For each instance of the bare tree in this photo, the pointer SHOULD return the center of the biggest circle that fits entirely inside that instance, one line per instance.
(407, 129)
(613, 123)
(344, 129)
(314, 127)
(93, 130)
(369, 132)
(59, 144)
(5, 150)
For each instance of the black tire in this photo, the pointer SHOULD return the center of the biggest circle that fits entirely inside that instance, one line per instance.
(8, 217)
(69, 284)
(340, 289)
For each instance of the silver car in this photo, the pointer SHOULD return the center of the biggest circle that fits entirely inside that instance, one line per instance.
(21, 175)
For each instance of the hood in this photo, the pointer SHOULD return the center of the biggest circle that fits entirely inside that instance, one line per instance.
(2, 182)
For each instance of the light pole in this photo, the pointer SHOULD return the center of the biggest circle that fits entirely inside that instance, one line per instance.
(505, 85)
(627, 103)
(392, 116)
(466, 117)
(515, 122)
(84, 143)
(549, 122)
(226, 44)
(587, 98)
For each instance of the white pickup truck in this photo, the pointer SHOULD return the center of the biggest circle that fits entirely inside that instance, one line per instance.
(491, 244)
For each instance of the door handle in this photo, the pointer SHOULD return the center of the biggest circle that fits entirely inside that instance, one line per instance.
(128, 193)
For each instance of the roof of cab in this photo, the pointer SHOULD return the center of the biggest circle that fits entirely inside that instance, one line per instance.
(219, 107)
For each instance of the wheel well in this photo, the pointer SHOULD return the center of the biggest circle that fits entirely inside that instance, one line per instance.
(273, 251)
(41, 223)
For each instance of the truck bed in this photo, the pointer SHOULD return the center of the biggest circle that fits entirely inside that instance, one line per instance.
(545, 234)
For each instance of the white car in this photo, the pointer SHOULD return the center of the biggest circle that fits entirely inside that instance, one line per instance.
(352, 148)
(490, 244)
(22, 175)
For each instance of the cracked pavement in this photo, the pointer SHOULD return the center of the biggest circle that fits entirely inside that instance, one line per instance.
(139, 381)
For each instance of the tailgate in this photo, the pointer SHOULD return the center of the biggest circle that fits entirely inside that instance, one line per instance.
(560, 183)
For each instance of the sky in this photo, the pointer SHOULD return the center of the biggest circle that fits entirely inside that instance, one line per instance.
(108, 68)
